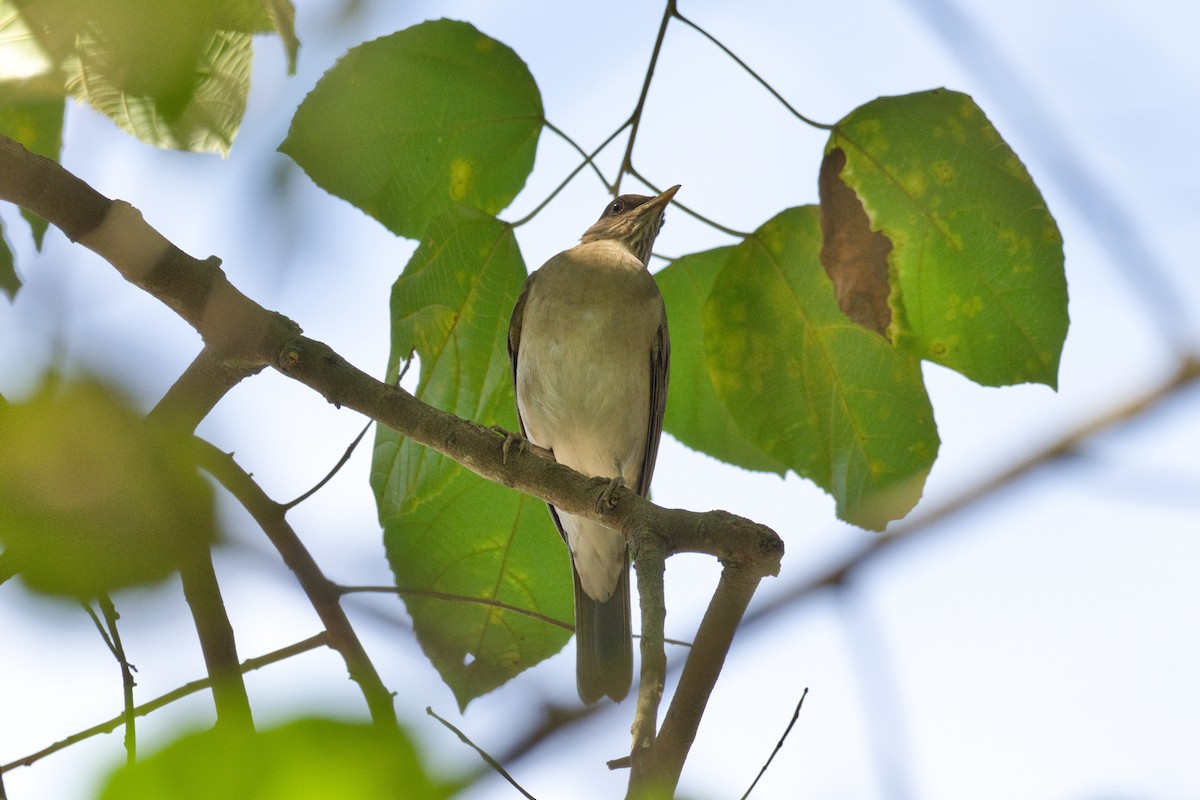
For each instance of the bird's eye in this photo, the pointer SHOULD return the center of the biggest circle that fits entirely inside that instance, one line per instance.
(616, 208)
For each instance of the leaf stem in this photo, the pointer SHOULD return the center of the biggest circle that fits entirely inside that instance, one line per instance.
(749, 71)
(635, 118)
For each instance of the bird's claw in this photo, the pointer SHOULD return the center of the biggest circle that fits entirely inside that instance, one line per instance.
(608, 498)
(510, 440)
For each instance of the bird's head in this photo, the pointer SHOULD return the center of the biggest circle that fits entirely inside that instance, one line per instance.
(633, 220)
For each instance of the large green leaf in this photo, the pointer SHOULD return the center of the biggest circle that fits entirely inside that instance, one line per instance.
(832, 400)
(448, 531)
(976, 264)
(92, 497)
(478, 540)
(309, 759)
(695, 414)
(409, 124)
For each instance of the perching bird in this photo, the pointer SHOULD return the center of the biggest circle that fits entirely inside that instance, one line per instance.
(590, 354)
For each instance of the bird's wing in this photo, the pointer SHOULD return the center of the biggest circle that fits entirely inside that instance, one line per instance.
(514, 340)
(660, 371)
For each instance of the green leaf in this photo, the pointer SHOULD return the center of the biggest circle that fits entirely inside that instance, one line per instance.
(10, 282)
(695, 414)
(830, 399)
(93, 497)
(446, 530)
(31, 112)
(407, 125)
(477, 540)
(976, 262)
(308, 759)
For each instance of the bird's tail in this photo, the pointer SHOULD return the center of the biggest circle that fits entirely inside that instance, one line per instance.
(604, 664)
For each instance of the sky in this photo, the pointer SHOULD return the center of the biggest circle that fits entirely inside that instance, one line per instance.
(1040, 644)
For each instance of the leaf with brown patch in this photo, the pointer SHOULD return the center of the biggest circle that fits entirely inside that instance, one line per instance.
(854, 256)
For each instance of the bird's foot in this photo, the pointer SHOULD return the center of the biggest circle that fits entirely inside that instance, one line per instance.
(510, 440)
(608, 498)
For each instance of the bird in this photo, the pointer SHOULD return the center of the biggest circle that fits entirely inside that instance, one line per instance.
(590, 359)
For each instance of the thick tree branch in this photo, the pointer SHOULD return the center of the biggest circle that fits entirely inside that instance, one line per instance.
(178, 412)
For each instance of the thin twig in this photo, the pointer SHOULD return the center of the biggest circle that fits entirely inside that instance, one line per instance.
(636, 117)
(336, 468)
(457, 598)
(588, 159)
(694, 214)
(111, 725)
(779, 744)
(493, 763)
(127, 682)
(752, 73)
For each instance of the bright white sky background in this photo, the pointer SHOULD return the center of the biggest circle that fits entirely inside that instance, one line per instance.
(1044, 645)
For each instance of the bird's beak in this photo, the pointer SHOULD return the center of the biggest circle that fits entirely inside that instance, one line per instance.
(661, 201)
(647, 215)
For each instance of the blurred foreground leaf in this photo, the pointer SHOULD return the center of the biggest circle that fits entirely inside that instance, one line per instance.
(175, 74)
(92, 498)
(309, 759)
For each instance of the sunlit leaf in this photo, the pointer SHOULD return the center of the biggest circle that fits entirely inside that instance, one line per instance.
(695, 414)
(309, 759)
(830, 399)
(173, 74)
(92, 497)
(448, 531)
(407, 125)
(976, 263)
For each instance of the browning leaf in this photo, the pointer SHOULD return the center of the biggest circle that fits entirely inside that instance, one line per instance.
(854, 256)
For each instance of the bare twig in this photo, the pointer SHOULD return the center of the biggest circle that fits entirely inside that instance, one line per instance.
(751, 73)
(127, 683)
(571, 176)
(111, 725)
(779, 744)
(493, 763)
(329, 476)
(456, 598)
(636, 117)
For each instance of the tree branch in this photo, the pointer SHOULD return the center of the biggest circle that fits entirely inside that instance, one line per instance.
(322, 593)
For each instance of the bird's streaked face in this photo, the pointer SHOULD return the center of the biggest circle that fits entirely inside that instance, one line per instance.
(634, 220)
